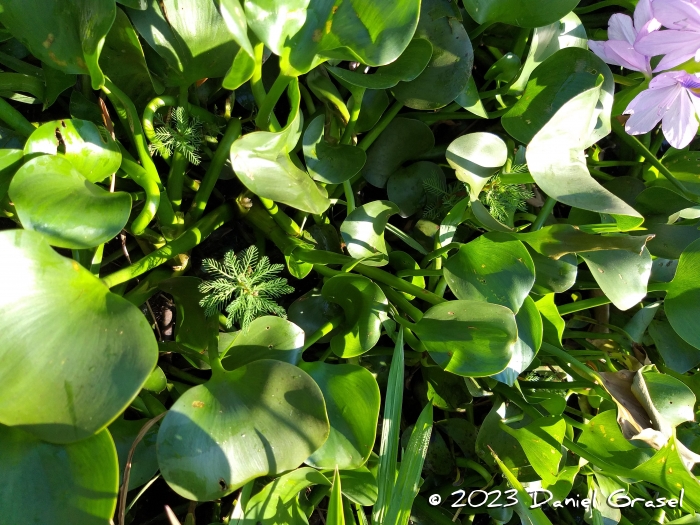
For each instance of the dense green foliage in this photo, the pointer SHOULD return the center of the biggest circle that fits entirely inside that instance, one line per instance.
(293, 262)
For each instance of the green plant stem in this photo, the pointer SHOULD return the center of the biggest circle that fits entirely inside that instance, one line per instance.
(473, 465)
(323, 331)
(545, 211)
(419, 273)
(15, 119)
(199, 204)
(479, 29)
(439, 253)
(584, 304)
(358, 95)
(407, 239)
(600, 174)
(458, 115)
(624, 81)
(401, 302)
(184, 243)
(374, 133)
(349, 196)
(176, 372)
(151, 188)
(264, 120)
(642, 150)
(256, 83)
(521, 41)
(178, 167)
(284, 221)
(308, 100)
(626, 4)
(96, 261)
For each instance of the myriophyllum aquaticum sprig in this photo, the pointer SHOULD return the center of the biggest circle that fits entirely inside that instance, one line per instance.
(672, 97)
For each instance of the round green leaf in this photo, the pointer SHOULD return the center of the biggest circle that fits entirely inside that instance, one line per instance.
(144, 464)
(190, 37)
(405, 186)
(521, 13)
(332, 164)
(553, 275)
(498, 272)
(469, 338)
(74, 355)
(557, 80)
(67, 36)
(311, 311)
(374, 104)
(54, 199)
(352, 402)
(57, 484)
(678, 355)
(407, 67)
(450, 67)
(262, 419)
(402, 140)
(262, 163)
(476, 157)
(267, 337)
(365, 308)
(530, 332)
(95, 155)
(363, 231)
(682, 303)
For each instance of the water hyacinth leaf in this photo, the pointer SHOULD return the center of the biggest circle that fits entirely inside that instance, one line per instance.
(92, 153)
(547, 40)
(144, 462)
(541, 441)
(374, 34)
(374, 104)
(311, 311)
(261, 419)
(637, 326)
(504, 69)
(557, 161)
(405, 187)
(124, 63)
(190, 39)
(527, 13)
(56, 83)
(469, 99)
(267, 337)
(244, 62)
(454, 217)
(363, 232)
(78, 482)
(682, 303)
(262, 163)
(530, 331)
(277, 499)
(407, 67)
(621, 275)
(67, 37)
(659, 204)
(54, 199)
(450, 67)
(553, 275)
(360, 485)
(49, 389)
(352, 403)
(403, 261)
(492, 436)
(668, 401)
(330, 163)
(193, 328)
(559, 79)
(10, 161)
(678, 355)
(365, 307)
(671, 240)
(552, 322)
(476, 157)
(684, 165)
(402, 140)
(469, 338)
(497, 272)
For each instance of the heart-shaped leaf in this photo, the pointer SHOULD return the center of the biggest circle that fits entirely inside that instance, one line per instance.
(262, 163)
(561, 77)
(54, 199)
(332, 164)
(553, 275)
(682, 303)
(262, 419)
(69, 37)
(352, 402)
(267, 337)
(407, 67)
(402, 140)
(312, 311)
(522, 13)
(621, 275)
(92, 153)
(365, 307)
(450, 66)
(476, 157)
(67, 372)
(530, 330)
(498, 272)
(77, 483)
(363, 231)
(190, 38)
(469, 338)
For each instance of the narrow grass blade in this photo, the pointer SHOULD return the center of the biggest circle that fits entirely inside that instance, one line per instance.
(336, 515)
(412, 460)
(389, 446)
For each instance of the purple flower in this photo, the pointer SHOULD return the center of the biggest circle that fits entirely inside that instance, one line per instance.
(623, 32)
(671, 98)
(681, 41)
